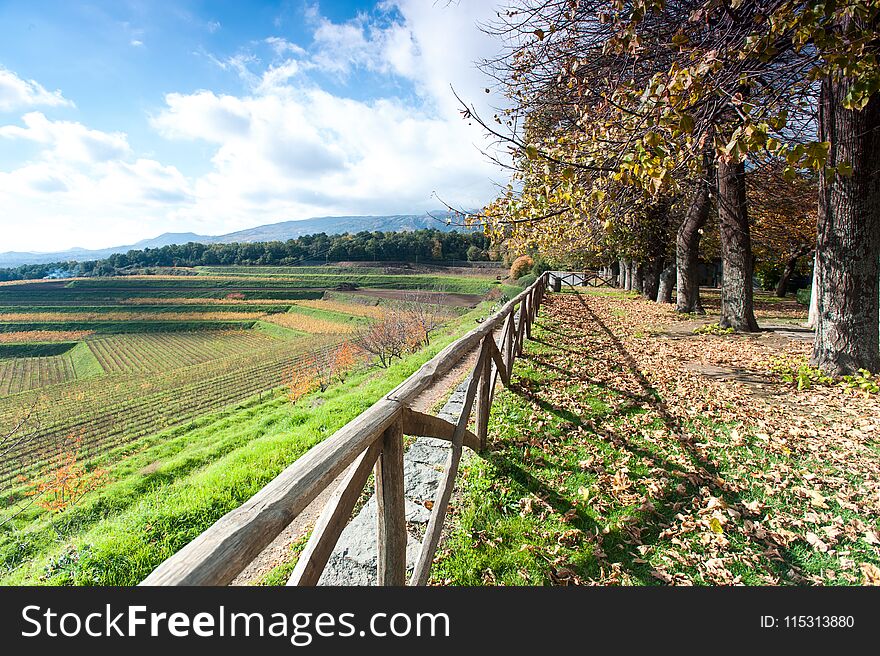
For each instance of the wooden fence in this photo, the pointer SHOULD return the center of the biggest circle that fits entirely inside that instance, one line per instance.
(371, 442)
(580, 279)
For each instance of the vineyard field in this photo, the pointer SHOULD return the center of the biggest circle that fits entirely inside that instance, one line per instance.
(149, 352)
(115, 409)
(108, 361)
(27, 373)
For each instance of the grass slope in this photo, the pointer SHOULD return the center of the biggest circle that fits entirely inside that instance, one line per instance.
(167, 488)
(85, 364)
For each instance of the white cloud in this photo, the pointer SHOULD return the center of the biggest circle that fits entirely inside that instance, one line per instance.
(283, 47)
(67, 140)
(16, 93)
(292, 151)
(284, 148)
(202, 115)
(136, 43)
(83, 187)
(342, 48)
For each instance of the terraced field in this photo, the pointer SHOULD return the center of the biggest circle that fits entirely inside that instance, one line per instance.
(26, 367)
(116, 409)
(153, 352)
(20, 374)
(109, 361)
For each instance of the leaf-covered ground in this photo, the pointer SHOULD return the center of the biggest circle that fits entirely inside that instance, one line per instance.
(631, 451)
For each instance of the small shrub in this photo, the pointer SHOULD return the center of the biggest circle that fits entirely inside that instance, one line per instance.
(65, 480)
(320, 370)
(526, 280)
(713, 329)
(862, 381)
(803, 296)
(67, 567)
(798, 372)
(521, 266)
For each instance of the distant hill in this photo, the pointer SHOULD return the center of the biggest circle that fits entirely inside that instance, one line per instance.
(331, 225)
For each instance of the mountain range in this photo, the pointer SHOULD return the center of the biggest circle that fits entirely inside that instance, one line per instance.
(331, 225)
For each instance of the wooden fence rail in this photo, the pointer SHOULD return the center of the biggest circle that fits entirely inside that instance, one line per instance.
(580, 279)
(371, 442)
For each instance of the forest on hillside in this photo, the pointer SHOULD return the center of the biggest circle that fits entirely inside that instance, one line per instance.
(429, 245)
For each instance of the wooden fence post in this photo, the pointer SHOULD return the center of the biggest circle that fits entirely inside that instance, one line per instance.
(527, 315)
(509, 346)
(333, 518)
(520, 330)
(391, 514)
(484, 397)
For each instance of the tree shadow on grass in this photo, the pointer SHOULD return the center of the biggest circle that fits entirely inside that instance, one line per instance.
(646, 526)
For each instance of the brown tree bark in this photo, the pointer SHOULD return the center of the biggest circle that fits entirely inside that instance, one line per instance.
(737, 305)
(687, 248)
(667, 282)
(656, 243)
(651, 279)
(848, 244)
(788, 272)
(637, 273)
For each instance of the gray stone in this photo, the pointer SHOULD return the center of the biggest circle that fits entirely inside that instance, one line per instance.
(353, 561)
(420, 481)
(428, 451)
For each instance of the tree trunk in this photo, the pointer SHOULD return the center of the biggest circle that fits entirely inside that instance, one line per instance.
(621, 274)
(687, 249)
(667, 282)
(787, 273)
(848, 244)
(813, 316)
(737, 306)
(628, 278)
(638, 270)
(651, 279)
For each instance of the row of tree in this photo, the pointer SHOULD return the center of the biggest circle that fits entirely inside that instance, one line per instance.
(433, 246)
(636, 126)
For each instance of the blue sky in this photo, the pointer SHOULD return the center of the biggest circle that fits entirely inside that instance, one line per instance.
(122, 120)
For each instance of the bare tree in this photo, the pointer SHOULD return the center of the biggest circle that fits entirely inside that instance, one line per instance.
(393, 336)
(424, 312)
(14, 447)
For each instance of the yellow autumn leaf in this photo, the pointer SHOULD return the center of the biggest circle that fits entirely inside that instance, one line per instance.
(715, 525)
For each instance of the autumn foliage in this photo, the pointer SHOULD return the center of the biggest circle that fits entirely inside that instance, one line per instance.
(65, 480)
(320, 370)
(521, 266)
(399, 332)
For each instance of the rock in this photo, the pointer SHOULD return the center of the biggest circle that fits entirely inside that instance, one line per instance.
(353, 561)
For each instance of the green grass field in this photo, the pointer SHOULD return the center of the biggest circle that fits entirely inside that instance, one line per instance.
(184, 412)
(170, 485)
